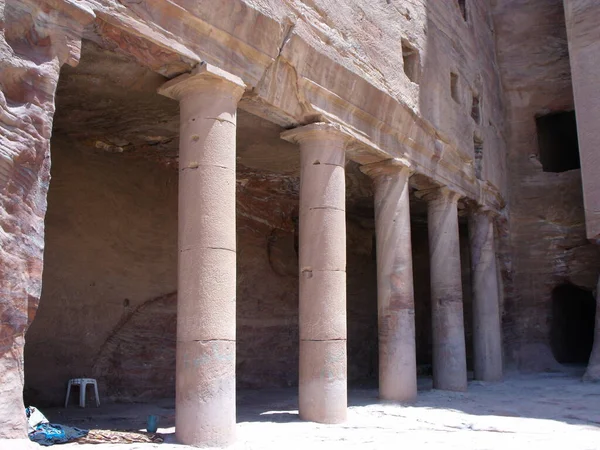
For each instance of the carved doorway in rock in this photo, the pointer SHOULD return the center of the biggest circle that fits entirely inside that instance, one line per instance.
(110, 236)
(572, 324)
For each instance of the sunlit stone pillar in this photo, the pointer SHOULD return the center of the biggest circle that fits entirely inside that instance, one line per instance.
(205, 367)
(487, 340)
(592, 372)
(449, 358)
(322, 316)
(583, 36)
(395, 296)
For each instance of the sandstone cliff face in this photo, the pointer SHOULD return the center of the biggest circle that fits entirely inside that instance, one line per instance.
(35, 40)
(302, 60)
(548, 243)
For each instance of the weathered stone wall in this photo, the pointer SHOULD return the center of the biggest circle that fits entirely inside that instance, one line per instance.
(548, 243)
(111, 235)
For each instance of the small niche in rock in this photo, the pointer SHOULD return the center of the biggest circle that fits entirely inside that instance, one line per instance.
(572, 325)
(454, 87)
(410, 58)
(462, 5)
(478, 157)
(557, 141)
(475, 109)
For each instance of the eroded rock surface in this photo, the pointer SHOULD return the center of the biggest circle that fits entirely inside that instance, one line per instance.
(35, 40)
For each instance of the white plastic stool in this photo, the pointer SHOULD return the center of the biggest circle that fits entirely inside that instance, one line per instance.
(82, 383)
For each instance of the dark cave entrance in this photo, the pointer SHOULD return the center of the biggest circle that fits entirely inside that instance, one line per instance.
(572, 327)
(557, 141)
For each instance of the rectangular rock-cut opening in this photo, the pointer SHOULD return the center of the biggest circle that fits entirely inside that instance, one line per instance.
(462, 5)
(475, 108)
(454, 87)
(411, 60)
(478, 156)
(557, 141)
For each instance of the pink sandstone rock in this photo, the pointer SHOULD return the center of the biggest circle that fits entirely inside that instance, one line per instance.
(36, 38)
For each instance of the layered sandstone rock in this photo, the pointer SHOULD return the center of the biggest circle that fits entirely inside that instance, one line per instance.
(36, 38)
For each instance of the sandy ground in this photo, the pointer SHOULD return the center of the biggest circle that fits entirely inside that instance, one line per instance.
(554, 410)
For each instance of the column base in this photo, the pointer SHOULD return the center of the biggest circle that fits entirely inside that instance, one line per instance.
(205, 396)
(323, 391)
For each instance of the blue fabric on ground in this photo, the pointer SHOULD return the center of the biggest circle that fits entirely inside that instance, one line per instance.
(50, 433)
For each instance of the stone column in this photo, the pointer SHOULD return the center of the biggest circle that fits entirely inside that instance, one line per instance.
(322, 316)
(583, 36)
(449, 358)
(395, 296)
(592, 372)
(205, 368)
(36, 38)
(583, 33)
(487, 339)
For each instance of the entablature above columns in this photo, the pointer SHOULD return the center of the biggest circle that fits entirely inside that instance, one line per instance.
(291, 83)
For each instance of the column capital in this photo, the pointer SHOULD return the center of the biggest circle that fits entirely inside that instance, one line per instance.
(204, 77)
(318, 131)
(388, 167)
(484, 210)
(442, 193)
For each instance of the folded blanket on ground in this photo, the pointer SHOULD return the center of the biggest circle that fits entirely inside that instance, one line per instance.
(50, 433)
(47, 434)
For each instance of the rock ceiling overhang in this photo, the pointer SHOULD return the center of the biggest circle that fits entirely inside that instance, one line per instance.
(291, 83)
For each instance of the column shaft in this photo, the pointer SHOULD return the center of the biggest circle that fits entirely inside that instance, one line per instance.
(592, 372)
(395, 296)
(487, 341)
(449, 358)
(322, 241)
(206, 330)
